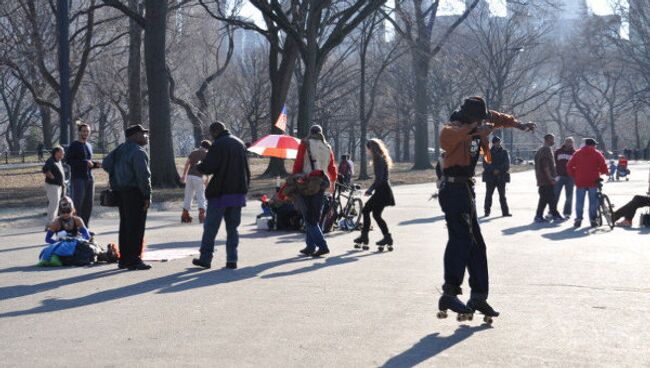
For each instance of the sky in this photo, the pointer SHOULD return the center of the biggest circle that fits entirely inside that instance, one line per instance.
(451, 7)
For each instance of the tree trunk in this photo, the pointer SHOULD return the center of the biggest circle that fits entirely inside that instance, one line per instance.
(612, 127)
(406, 150)
(46, 122)
(133, 67)
(163, 166)
(421, 76)
(363, 153)
(307, 97)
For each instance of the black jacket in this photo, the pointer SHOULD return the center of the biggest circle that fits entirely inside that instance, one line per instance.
(56, 170)
(227, 162)
(498, 170)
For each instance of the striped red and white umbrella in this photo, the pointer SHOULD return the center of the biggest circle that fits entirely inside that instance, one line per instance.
(274, 145)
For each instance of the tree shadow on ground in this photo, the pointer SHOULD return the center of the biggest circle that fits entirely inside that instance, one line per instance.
(422, 220)
(17, 291)
(180, 244)
(191, 278)
(431, 346)
(573, 233)
(23, 248)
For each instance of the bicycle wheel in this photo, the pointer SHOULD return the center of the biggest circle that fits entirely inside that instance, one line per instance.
(354, 212)
(606, 211)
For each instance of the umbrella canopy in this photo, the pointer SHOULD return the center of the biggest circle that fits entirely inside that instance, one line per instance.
(274, 145)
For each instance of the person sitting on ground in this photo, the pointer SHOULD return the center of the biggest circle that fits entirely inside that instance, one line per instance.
(628, 211)
(63, 235)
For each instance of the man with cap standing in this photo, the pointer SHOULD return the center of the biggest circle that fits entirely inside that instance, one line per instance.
(586, 166)
(315, 158)
(463, 138)
(227, 162)
(495, 175)
(130, 178)
(546, 175)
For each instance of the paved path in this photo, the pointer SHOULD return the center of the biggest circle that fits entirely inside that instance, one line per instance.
(569, 298)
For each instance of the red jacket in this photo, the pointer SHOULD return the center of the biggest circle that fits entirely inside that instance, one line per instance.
(331, 168)
(586, 166)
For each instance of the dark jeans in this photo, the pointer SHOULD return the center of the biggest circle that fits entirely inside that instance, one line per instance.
(214, 215)
(83, 192)
(547, 197)
(311, 209)
(466, 247)
(566, 183)
(133, 218)
(503, 201)
(629, 210)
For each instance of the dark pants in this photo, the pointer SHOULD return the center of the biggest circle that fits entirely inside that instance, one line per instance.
(547, 197)
(466, 247)
(133, 218)
(311, 209)
(214, 215)
(376, 214)
(629, 210)
(501, 188)
(83, 192)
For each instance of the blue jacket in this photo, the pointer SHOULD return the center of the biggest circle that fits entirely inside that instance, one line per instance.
(128, 168)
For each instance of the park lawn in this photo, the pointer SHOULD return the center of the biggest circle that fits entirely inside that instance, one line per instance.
(23, 187)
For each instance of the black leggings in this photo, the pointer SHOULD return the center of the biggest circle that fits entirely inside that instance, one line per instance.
(630, 208)
(376, 214)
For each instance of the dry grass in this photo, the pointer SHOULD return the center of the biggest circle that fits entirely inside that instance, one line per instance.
(24, 187)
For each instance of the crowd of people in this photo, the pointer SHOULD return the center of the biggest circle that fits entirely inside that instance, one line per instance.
(224, 160)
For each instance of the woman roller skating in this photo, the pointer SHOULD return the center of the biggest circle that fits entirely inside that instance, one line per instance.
(463, 138)
(381, 198)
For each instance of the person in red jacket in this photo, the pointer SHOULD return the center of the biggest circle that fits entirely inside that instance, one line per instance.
(585, 167)
(315, 158)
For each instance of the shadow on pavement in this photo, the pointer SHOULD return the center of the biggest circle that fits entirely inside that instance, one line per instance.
(17, 291)
(573, 233)
(529, 227)
(191, 278)
(23, 248)
(431, 346)
(422, 220)
(348, 257)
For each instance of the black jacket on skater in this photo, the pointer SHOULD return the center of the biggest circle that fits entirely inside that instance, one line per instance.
(227, 162)
(500, 162)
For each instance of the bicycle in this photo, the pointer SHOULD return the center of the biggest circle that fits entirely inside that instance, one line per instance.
(348, 213)
(605, 208)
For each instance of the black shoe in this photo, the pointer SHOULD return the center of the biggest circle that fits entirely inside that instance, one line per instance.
(387, 240)
(487, 213)
(320, 252)
(483, 307)
(200, 263)
(307, 252)
(141, 266)
(231, 265)
(593, 223)
(363, 239)
(121, 266)
(577, 223)
(508, 214)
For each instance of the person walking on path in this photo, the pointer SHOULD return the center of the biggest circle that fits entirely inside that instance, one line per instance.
(346, 170)
(628, 211)
(463, 138)
(227, 162)
(54, 182)
(546, 173)
(564, 181)
(382, 195)
(495, 175)
(130, 178)
(82, 183)
(315, 159)
(585, 167)
(194, 183)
